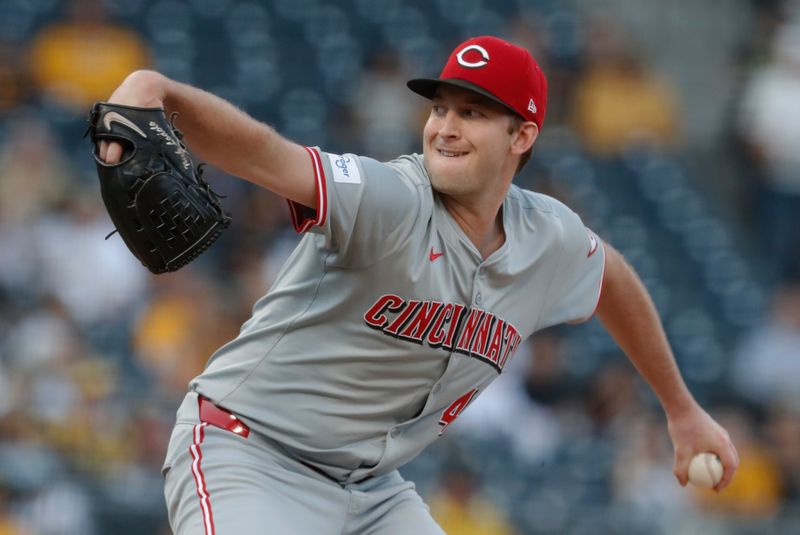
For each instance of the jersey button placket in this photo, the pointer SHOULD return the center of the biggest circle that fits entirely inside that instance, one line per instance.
(481, 273)
(395, 432)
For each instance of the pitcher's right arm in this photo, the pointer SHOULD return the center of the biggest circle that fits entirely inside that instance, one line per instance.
(223, 135)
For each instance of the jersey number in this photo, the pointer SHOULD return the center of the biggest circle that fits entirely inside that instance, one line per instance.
(451, 413)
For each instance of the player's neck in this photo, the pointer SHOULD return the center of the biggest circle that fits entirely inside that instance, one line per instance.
(483, 227)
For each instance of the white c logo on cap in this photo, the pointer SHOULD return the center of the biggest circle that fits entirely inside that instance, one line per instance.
(473, 65)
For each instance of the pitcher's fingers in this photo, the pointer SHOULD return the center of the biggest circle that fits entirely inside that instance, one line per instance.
(735, 452)
(103, 146)
(114, 153)
(729, 465)
(681, 474)
(681, 466)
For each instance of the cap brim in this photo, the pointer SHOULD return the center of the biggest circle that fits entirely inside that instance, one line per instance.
(427, 88)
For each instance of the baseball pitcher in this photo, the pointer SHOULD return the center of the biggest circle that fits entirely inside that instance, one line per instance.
(414, 283)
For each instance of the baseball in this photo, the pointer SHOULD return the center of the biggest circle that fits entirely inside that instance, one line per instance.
(705, 470)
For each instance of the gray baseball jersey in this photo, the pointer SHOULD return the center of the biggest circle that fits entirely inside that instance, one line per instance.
(385, 322)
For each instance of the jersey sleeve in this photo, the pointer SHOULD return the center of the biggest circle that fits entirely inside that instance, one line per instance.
(574, 289)
(364, 210)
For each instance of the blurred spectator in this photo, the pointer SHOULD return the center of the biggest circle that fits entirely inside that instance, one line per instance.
(527, 29)
(83, 57)
(88, 284)
(386, 112)
(6, 397)
(556, 43)
(769, 121)
(41, 337)
(782, 432)
(179, 329)
(31, 183)
(618, 102)
(59, 508)
(460, 509)
(9, 525)
(13, 78)
(766, 366)
(642, 473)
(611, 398)
(30, 186)
(546, 378)
(61, 389)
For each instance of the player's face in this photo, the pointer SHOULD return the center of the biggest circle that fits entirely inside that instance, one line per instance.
(466, 142)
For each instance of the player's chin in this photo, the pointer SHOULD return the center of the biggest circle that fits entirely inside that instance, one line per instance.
(448, 183)
(448, 166)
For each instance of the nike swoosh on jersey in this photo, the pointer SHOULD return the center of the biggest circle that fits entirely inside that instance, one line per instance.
(114, 117)
(592, 245)
(433, 256)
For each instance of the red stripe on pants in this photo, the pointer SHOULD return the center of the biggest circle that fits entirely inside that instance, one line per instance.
(199, 478)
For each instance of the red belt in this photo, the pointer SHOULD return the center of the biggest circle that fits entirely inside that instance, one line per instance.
(219, 417)
(224, 419)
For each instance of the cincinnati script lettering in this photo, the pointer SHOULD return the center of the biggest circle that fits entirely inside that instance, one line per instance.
(449, 326)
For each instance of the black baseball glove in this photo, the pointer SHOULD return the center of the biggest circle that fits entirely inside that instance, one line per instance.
(165, 212)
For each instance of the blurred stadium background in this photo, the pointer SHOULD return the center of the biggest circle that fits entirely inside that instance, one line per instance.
(673, 129)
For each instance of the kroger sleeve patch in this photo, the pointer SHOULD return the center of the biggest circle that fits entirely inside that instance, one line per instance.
(365, 209)
(344, 168)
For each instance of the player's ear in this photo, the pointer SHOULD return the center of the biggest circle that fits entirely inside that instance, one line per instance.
(524, 137)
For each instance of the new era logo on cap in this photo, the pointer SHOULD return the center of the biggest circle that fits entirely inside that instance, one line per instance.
(502, 71)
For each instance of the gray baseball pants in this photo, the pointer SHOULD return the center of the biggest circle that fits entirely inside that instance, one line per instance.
(218, 482)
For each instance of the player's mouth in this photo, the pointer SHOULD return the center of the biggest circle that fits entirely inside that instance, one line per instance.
(450, 153)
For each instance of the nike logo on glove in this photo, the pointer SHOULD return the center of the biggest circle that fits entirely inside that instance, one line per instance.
(114, 117)
(433, 256)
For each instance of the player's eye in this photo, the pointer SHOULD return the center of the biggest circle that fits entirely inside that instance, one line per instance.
(471, 113)
(437, 110)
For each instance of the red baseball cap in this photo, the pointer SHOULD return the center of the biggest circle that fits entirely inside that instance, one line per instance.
(497, 69)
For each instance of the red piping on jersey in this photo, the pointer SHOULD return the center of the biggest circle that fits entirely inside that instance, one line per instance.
(600, 289)
(602, 277)
(322, 193)
(198, 434)
(301, 219)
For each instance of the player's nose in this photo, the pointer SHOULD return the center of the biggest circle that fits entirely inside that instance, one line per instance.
(448, 125)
